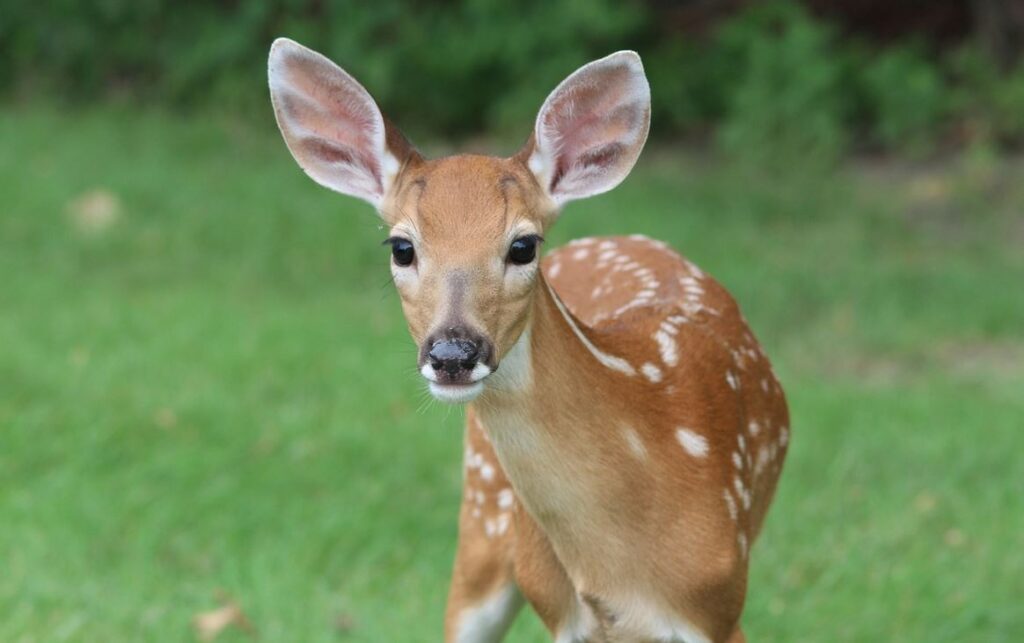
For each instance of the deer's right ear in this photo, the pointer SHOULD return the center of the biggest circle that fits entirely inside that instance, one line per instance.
(332, 126)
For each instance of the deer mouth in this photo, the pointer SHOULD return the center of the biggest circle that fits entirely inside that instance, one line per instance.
(455, 387)
(456, 393)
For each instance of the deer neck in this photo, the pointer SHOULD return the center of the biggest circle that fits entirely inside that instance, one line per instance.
(549, 418)
(552, 370)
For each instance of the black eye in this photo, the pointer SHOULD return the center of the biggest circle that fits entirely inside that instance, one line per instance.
(401, 251)
(523, 250)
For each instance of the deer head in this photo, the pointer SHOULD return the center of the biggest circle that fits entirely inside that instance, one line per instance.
(464, 231)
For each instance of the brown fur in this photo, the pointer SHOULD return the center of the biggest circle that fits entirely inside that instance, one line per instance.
(659, 524)
(622, 456)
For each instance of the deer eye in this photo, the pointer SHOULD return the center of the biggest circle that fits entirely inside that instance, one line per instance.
(401, 251)
(523, 250)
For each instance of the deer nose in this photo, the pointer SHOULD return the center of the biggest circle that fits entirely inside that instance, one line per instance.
(453, 355)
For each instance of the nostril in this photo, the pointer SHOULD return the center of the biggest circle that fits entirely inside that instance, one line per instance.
(453, 355)
(470, 352)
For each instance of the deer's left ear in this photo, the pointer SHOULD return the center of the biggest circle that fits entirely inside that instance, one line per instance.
(591, 129)
(332, 126)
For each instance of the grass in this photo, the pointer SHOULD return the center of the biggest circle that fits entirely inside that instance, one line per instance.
(207, 392)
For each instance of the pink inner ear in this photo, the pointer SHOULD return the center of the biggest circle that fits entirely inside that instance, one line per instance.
(332, 136)
(334, 112)
(332, 126)
(592, 127)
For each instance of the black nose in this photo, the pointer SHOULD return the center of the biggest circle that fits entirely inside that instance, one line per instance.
(453, 355)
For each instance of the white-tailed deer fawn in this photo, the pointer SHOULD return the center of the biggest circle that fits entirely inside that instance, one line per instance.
(625, 431)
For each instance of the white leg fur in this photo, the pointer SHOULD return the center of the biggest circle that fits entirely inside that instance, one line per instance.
(488, 621)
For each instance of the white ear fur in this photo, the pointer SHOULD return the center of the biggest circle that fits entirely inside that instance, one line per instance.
(591, 128)
(330, 123)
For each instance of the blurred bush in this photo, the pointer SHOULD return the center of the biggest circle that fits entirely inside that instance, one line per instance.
(905, 97)
(450, 68)
(768, 81)
(991, 102)
(787, 98)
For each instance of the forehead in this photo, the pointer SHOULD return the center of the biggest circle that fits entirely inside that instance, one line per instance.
(468, 198)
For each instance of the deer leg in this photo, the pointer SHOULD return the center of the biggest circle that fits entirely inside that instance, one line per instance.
(484, 597)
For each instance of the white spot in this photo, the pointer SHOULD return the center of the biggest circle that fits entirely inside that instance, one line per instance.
(503, 522)
(742, 492)
(606, 245)
(487, 472)
(734, 381)
(764, 385)
(581, 254)
(784, 436)
(636, 445)
(476, 512)
(479, 497)
(696, 445)
(742, 442)
(754, 427)
(645, 294)
(668, 328)
(610, 361)
(737, 460)
(737, 358)
(607, 255)
(554, 270)
(762, 460)
(652, 372)
(506, 499)
(730, 504)
(667, 346)
(738, 485)
(741, 540)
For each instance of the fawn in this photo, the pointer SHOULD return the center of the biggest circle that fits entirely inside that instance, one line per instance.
(625, 430)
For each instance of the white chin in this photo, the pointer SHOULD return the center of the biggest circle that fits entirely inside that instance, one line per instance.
(459, 394)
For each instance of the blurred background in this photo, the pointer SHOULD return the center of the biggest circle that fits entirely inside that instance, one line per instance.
(211, 426)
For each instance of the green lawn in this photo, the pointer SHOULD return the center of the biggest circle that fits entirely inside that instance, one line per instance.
(207, 389)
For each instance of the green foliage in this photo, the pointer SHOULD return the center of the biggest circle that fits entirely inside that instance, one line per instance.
(787, 100)
(771, 82)
(436, 66)
(991, 101)
(906, 97)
